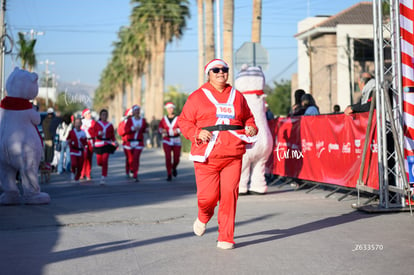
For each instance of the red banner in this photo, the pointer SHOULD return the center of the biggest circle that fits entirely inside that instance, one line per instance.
(326, 149)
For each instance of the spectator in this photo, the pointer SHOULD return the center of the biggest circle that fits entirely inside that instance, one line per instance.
(336, 109)
(309, 105)
(366, 84)
(154, 133)
(269, 114)
(63, 131)
(297, 109)
(49, 126)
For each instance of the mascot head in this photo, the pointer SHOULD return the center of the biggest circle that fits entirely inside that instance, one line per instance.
(22, 84)
(250, 80)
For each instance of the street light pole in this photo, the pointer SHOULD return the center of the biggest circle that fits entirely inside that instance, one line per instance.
(47, 62)
(32, 33)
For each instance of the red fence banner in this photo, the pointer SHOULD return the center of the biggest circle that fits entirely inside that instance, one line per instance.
(326, 149)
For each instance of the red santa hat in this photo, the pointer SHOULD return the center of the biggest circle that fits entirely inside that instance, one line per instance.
(85, 112)
(214, 63)
(128, 112)
(169, 105)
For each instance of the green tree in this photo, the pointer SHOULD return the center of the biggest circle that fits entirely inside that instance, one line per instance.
(174, 95)
(278, 98)
(164, 21)
(26, 52)
(66, 105)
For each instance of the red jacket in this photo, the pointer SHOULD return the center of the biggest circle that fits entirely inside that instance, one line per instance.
(77, 142)
(103, 132)
(134, 130)
(173, 131)
(199, 112)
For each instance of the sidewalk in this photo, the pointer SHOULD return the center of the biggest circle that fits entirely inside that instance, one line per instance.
(146, 228)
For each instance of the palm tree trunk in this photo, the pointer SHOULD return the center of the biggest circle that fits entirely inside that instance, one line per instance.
(201, 46)
(257, 21)
(228, 22)
(136, 94)
(148, 89)
(159, 88)
(209, 23)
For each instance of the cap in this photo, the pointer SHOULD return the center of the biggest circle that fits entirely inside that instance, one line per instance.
(86, 111)
(135, 107)
(50, 111)
(169, 105)
(213, 63)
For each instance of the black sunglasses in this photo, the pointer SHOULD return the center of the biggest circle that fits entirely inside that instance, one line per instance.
(216, 70)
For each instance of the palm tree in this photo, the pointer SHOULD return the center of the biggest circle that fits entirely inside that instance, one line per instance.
(164, 20)
(201, 45)
(26, 52)
(228, 22)
(209, 24)
(257, 21)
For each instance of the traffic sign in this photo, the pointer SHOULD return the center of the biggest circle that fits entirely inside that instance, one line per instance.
(252, 54)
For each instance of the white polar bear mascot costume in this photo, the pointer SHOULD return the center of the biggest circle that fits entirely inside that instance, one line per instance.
(250, 81)
(20, 142)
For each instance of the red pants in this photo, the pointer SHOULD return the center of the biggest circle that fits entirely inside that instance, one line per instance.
(218, 181)
(168, 150)
(87, 162)
(76, 163)
(136, 155)
(128, 160)
(102, 160)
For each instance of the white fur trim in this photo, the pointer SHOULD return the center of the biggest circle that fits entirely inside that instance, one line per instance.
(214, 63)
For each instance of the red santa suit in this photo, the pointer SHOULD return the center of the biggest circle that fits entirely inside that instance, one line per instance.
(87, 162)
(77, 144)
(126, 145)
(104, 144)
(135, 129)
(218, 162)
(171, 143)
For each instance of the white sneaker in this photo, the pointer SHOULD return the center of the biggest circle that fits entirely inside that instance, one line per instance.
(199, 228)
(102, 181)
(225, 245)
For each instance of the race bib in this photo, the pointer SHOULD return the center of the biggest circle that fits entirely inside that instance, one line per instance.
(225, 111)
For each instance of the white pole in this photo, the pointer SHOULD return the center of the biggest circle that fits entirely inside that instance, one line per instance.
(218, 33)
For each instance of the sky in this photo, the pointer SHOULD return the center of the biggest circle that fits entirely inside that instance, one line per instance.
(76, 36)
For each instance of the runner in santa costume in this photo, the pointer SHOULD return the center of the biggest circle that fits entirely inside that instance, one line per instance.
(135, 128)
(105, 143)
(219, 123)
(171, 140)
(87, 123)
(126, 145)
(78, 145)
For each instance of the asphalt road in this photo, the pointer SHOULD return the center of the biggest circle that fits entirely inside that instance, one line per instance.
(146, 228)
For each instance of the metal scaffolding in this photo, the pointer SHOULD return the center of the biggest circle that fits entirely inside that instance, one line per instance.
(393, 185)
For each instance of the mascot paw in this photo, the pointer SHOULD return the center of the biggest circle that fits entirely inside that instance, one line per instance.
(10, 198)
(41, 198)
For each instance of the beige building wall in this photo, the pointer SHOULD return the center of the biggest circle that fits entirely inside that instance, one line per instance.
(324, 76)
(346, 34)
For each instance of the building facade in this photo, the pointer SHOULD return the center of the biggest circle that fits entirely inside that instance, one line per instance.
(332, 52)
